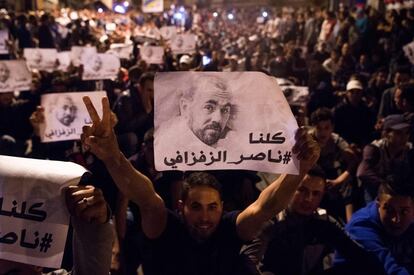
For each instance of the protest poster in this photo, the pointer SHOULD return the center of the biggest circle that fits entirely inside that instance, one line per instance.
(100, 66)
(152, 54)
(409, 51)
(33, 215)
(14, 76)
(64, 59)
(78, 51)
(65, 115)
(183, 43)
(4, 36)
(150, 6)
(121, 50)
(168, 32)
(208, 121)
(41, 59)
(295, 95)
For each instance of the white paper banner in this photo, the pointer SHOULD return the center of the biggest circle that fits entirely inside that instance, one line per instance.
(14, 76)
(64, 59)
(78, 51)
(100, 66)
(409, 51)
(168, 32)
(4, 36)
(121, 50)
(33, 216)
(152, 54)
(65, 114)
(207, 121)
(183, 43)
(41, 59)
(149, 6)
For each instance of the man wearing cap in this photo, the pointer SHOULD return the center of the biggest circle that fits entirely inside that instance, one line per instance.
(387, 156)
(352, 118)
(184, 63)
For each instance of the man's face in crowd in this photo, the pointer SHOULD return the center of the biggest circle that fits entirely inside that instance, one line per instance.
(208, 112)
(354, 96)
(4, 72)
(308, 196)
(13, 268)
(324, 130)
(66, 111)
(398, 138)
(179, 42)
(202, 211)
(396, 213)
(381, 78)
(401, 78)
(6, 99)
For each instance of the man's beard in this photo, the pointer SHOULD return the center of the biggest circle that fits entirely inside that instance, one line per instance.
(210, 134)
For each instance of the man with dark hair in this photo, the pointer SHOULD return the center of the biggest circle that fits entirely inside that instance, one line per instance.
(201, 240)
(385, 227)
(297, 240)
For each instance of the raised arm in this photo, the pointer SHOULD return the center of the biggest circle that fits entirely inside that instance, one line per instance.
(100, 139)
(277, 195)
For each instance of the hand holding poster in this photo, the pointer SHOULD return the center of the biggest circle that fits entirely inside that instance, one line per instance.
(4, 36)
(149, 6)
(152, 54)
(65, 115)
(33, 216)
(183, 43)
(14, 76)
(207, 121)
(41, 59)
(100, 66)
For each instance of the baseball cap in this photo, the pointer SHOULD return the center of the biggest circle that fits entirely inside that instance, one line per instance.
(396, 122)
(354, 85)
(185, 59)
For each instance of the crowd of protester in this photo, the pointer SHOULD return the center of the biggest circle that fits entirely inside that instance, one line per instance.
(360, 110)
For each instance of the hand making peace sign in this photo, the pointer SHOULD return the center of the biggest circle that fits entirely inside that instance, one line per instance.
(100, 138)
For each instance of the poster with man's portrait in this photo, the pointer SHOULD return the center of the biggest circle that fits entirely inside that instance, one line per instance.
(64, 59)
(152, 54)
(409, 51)
(78, 51)
(4, 36)
(168, 32)
(100, 66)
(14, 76)
(183, 43)
(40, 59)
(123, 51)
(65, 114)
(216, 120)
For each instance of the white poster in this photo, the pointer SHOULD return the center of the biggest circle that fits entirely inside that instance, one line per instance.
(208, 121)
(183, 43)
(4, 36)
(121, 50)
(78, 51)
(33, 215)
(168, 32)
(409, 51)
(65, 115)
(64, 59)
(149, 6)
(152, 54)
(41, 59)
(100, 66)
(14, 76)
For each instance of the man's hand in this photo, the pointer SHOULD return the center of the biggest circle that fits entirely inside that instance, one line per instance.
(37, 119)
(100, 138)
(307, 150)
(87, 203)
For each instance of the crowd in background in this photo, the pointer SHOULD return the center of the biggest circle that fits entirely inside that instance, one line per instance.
(360, 105)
